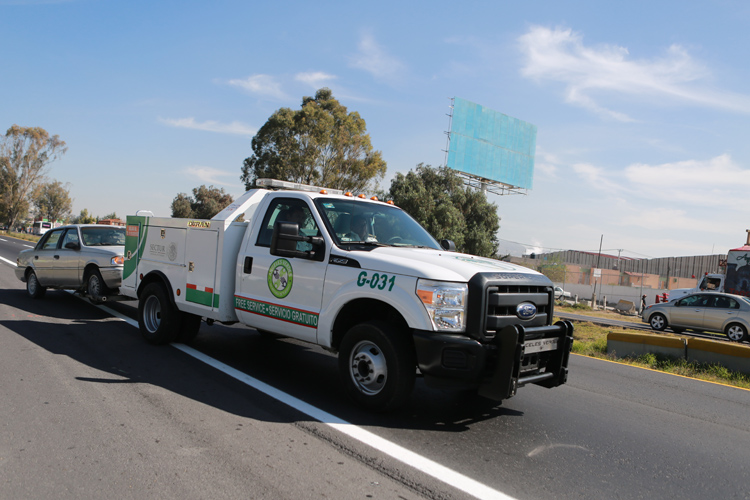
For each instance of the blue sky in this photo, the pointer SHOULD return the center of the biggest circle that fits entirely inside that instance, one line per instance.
(641, 107)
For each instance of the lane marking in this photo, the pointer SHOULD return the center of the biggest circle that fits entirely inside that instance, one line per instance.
(408, 457)
(8, 261)
(425, 465)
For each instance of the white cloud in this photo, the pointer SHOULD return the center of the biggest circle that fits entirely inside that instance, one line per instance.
(265, 85)
(373, 59)
(315, 79)
(236, 128)
(213, 176)
(591, 74)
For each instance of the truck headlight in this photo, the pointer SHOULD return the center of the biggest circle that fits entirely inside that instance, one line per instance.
(117, 261)
(445, 304)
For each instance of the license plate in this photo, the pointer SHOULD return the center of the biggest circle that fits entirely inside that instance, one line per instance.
(540, 345)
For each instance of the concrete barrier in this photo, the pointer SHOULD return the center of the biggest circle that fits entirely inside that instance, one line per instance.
(623, 344)
(734, 357)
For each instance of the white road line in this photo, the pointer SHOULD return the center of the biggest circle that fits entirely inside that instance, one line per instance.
(425, 465)
(8, 261)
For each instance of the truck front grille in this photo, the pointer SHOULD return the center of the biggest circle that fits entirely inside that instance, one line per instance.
(502, 302)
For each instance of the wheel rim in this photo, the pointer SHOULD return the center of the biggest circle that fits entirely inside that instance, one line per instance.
(368, 368)
(94, 286)
(152, 314)
(657, 322)
(735, 333)
(32, 283)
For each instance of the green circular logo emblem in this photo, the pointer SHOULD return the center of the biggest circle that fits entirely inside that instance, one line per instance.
(280, 278)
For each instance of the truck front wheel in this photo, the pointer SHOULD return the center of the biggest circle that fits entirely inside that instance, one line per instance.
(158, 321)
(377, 366)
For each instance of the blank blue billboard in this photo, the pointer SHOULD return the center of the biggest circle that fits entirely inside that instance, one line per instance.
(490, 145)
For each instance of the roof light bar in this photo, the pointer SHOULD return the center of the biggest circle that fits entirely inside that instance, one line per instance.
(277, 184)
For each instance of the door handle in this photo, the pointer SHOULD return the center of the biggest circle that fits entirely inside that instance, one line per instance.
(247, 267)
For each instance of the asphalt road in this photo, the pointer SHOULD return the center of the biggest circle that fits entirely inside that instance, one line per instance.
(90, 410)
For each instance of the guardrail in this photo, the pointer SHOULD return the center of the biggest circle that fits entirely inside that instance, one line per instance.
(735, 357)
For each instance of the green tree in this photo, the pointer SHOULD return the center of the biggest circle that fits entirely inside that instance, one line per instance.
(204, 204)
(52, 200)
(320, 144)
(25, 153)
(438, 199)
(84, 218)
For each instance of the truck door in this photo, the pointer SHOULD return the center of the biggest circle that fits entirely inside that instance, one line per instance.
(278, 294)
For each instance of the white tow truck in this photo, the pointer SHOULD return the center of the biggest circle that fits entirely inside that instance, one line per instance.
(358, 277)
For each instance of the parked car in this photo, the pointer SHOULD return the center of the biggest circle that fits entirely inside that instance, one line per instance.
(562, 294)
(711, 312)
(83, 257)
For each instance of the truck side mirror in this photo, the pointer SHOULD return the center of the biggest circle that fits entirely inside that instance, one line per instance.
(284, 242)
(448, 245)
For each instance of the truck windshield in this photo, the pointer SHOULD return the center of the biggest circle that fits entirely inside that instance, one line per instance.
(354, 222)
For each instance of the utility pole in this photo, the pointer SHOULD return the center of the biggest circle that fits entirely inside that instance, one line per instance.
(593, 297)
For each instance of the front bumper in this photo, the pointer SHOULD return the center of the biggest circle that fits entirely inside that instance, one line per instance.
(112, 276)
(498, 367)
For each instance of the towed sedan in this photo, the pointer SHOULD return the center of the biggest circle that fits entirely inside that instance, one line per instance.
(710, 312)
(84, 257)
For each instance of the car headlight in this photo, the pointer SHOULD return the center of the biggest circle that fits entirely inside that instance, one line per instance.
(445, 304)
(118, 261)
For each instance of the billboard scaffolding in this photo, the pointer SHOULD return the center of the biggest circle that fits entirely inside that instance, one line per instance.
(491, 151)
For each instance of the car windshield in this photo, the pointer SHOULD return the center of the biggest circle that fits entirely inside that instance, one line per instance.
(356, 223)
(104, 236)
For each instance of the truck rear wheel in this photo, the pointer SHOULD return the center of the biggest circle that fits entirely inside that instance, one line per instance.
(377, 366)
(191, 325)
(158, 321)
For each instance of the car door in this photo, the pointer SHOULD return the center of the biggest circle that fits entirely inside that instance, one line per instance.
(67, 266)
(720, 309)
(45, 257)
(281, 294)
(688, 312)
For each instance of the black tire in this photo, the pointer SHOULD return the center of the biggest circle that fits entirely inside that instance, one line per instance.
(95, 287)
(736, 332)
(158, 320)
(191, 325)
(658, 321)
(34, 289)
(377, 366)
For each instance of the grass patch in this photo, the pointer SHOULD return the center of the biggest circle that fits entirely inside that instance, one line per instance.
(20, 236)
(584, 309)
(591, 340)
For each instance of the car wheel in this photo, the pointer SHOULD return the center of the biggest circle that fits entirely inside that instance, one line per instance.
(658, 321)
(377, 366)
(158, 321)
(34, 289)
(95, 287)
(736, 332)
